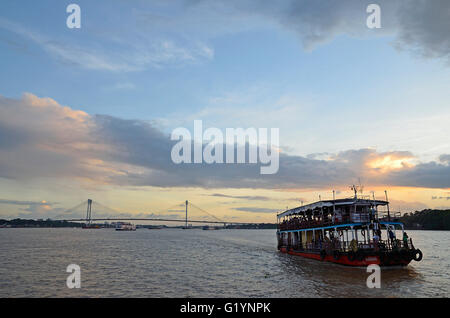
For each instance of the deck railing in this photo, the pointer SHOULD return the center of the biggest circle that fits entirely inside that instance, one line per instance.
(381, 245)
(298, 223)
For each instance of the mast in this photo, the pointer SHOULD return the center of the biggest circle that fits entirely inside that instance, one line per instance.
(334, 203)
(389, 215)
(334, 206)
(321, 209)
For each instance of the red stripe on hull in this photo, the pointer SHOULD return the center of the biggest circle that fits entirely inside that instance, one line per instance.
(343, 259)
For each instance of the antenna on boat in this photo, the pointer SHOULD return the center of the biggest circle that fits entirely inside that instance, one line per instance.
(361, 187)
(355, 189)
(334, 203)
(389, 215)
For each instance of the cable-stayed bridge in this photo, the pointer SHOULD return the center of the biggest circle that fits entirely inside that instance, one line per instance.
(88, 209)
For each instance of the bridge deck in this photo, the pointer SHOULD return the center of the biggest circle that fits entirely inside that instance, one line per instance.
(153, 219)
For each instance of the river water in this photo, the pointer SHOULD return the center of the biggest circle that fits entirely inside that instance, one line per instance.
(197, 263)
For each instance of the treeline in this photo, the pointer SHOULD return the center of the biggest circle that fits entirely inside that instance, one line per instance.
(37, 223)
(438, 220)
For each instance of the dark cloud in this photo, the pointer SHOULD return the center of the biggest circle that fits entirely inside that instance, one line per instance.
(420, 26)
(139, 144)
(444, 159)
(423, 27)
(427, 175)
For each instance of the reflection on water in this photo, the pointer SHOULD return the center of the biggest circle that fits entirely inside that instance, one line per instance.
(196, 263)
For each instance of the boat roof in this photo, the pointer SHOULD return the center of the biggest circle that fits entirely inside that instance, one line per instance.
(330, 203)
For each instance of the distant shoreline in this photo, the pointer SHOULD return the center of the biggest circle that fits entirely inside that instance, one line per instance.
(427, 220)
(29, 223)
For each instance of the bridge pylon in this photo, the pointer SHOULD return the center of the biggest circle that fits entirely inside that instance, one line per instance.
(89, 212)
(186, 220)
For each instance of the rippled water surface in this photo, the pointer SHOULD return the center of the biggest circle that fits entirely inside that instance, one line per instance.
(196, 263)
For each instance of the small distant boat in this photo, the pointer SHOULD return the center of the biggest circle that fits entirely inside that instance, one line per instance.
(126, 227)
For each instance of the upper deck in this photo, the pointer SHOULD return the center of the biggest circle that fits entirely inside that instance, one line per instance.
(330, 212)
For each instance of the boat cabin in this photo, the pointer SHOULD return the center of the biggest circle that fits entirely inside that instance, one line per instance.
(337, 224)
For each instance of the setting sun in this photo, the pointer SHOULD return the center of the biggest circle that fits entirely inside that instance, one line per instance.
(389, 162)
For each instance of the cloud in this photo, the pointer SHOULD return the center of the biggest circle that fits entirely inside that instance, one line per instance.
(133, 52)
(180, 34)
(428, 175)
(419, 26)
(123, 86)
(33, 209)
(46, 140)
(41, 138)
(439, 198)
(445, 159)
(256, 210)
(402, 206)
(254, 198)
(18, 202)
(423, 28)
(244, 197)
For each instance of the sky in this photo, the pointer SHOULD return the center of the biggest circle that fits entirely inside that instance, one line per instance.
(88, 112)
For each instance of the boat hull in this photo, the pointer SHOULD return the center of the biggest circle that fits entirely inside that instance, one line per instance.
(344, 259)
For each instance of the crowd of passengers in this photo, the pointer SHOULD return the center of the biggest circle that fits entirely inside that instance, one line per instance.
(333, 242)
(304, 222)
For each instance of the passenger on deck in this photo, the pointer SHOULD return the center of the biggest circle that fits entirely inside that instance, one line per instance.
(379, 232)
(391, 234)
(376, 239)
(371, 215)
(405, 240)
